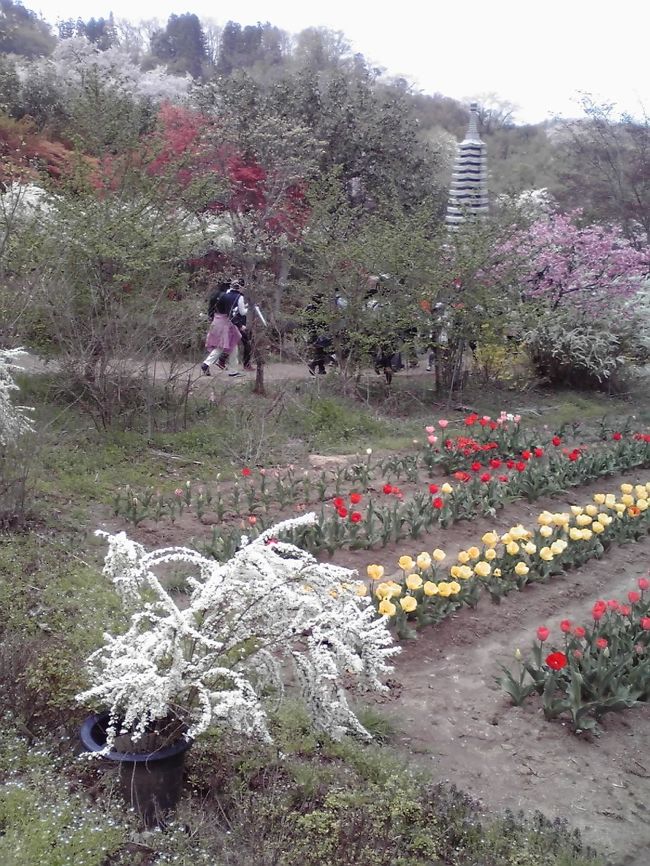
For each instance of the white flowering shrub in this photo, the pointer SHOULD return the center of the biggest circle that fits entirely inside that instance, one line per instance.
(270, 612)
(14, 420)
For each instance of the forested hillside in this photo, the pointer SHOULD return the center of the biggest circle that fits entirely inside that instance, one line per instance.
(386, 137)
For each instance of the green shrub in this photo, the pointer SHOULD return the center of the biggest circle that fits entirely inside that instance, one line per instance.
(584, 353)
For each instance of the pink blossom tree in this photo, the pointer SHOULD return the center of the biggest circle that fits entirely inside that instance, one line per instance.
(589, 268)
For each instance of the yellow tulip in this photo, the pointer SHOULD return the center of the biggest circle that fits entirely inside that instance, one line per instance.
(408, 603)
(361, 590)
(605, 519)
(482, 569)
(454, 571)
(464, 572)
(545, 518)
(444, 589)
(576, 509)
(610, 499)
(423, 561)
(446, 488)
(521, 568)
(642, 504)
(375, 572)
(430, 588)
(546, 531)
(599, 498)
(586, 534)
(382, 590)
(438, 554)
(583, 520)
(546, 554)
(575, 534)
(561, 518)
(518, 532)
(463, 556)
(406, 563)
(454, 588)
(394, 589)
(490, 554)
(558, 546)
(627, 499)
(640, 491)
(619, 508)
(591, 510)
(490, 539)
(626, 488)
(506, 538)
(387, 608)
(530, 548)
(512, 548)
(473, 552)
(597, 527)
(497, 572)
(413, 581)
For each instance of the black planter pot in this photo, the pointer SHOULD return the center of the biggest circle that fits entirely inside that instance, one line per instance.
(150, 782)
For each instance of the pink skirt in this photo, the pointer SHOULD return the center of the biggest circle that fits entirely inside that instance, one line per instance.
(222, 334)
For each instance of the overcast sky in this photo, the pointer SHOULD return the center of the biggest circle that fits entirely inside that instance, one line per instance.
(537, 55)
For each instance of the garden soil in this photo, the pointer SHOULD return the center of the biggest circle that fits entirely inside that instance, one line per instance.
(453, 719)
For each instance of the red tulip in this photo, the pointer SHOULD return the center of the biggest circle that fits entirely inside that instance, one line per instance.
(542, 633)
(556, 661)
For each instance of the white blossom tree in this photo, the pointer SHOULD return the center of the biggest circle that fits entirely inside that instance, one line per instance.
(269, 610)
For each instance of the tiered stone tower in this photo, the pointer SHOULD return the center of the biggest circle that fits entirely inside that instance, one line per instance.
(468, 197)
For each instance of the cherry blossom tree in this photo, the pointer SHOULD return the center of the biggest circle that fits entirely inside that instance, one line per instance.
(564, 264)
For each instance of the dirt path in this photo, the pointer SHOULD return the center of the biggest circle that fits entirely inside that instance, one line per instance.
(273, 372)
(453, 719)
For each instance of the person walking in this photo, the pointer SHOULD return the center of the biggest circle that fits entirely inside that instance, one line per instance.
(224, 336)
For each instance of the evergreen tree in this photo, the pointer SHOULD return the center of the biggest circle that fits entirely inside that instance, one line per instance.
(181, 45)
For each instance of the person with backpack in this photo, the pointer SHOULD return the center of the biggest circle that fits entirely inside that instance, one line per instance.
(227, 307)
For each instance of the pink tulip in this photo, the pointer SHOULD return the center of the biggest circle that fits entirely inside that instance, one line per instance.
(432, 440)
(429, 429)
(443, 423)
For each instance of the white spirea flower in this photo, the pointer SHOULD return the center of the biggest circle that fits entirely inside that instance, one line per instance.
(14, 420)
(210, 662)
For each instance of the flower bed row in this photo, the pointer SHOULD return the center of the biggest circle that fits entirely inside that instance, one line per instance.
(360, 522)
(519, 459)
(592, 669)
(422, 593)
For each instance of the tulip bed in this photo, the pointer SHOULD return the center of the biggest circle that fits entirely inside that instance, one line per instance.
(425, 592)
(594, 669)
(363, 506)
(382, 514)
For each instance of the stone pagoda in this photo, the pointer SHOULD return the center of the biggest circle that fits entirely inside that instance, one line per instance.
(468, 197)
